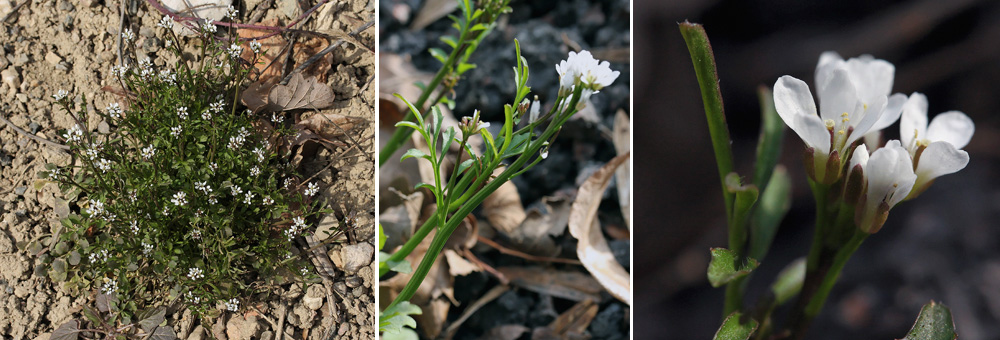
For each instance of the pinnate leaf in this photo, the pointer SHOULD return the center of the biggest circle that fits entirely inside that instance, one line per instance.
(726, 266)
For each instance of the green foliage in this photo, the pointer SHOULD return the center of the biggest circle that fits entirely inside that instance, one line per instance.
(183, 198)
(933, 323)
(736, 327)
(726, 266)
(789, 281)
(393, 319)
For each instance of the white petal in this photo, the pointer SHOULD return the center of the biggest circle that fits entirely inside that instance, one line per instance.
(872, 77)
(792, 99)
(812, 131)
(868, 116)
(837, 96)
(953, 127)
(893, 109)
(860, 157)
(940, 158)
(828, 61)
(914, 120)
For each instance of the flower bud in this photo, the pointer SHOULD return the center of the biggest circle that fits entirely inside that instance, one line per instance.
(854, 187)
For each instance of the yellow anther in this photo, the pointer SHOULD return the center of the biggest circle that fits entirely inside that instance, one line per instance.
(866, 106)
(841, 132)
(844, 114)
(845, 120)
(829, 123)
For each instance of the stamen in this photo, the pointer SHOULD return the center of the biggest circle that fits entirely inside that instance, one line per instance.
(841, 132)
(829, 124)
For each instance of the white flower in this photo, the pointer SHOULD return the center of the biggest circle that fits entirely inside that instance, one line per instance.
(233, 305)
(231, 12)
(196, 234)
(212, 166)
(166, 210)
(535, 109)
(249, 197)
(182, 112)
(216, 107)
(166, 22)
(110, 286)
(114, 110)
(168, 43)
(127, 36)
(235, 50)
(888, 179)
(195, 273)
(254, 171)
(936, 148)
(168, 77)
(260, 156)
(176, 131)
(101, 255)
(212, 200)
(255, 46)
(288, 182)
(146, 64)
(96, 208)
(277, 118)
(208, 26)
(583, 67)
(203, 186)
(148, 152)
(119, 71)
(235, 142)
(853, 97)
(179, 198)
(236, 191)
(206, 115)
(104, 165)
(311, 189)
(134, 226)
(267, 200)
(146, 248)
(60, 94)
(74, 134)
(93, 151)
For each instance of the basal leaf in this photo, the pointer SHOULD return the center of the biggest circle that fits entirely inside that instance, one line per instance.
(726, 265)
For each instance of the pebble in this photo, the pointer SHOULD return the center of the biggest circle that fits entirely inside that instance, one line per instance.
(340, 288)
(10, 77)
(18, 60)
(356, 256)
(53, 58)
(66, 6)
(197, 334)
(239, 328)
(314, 297)
(267, 335)
(20, 190)
(34, 127)
(353, 281)
(367, 275)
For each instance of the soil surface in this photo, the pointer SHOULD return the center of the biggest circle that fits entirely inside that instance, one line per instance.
(546, 31)
(71, 45)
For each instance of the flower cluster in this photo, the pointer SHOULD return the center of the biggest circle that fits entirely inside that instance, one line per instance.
(855, 105)
(581, 68)
(195, 273)
(233, 305)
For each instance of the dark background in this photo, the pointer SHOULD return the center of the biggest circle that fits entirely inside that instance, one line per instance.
(942, 246)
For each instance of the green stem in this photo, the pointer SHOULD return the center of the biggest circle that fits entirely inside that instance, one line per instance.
(843, 255)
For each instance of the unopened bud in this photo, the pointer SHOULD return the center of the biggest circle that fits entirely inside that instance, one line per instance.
(871, 221)
(854, 187)
(832, 171)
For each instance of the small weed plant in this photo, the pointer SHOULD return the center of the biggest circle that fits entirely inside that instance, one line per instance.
(183, 199)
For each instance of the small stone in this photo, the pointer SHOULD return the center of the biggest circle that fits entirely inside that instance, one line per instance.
(340, 288)
(53, 58)
(290, 8)
(239, 328)
(66, 6)
(326, 228)
(353, 281)
(367, 275)
(267, 335)
(358, 291)
(334, 254)
(19, 60)
(219, 330)
(11, 77)
(356, 256)
(20, 190)
(197, 334)
(103, 127)
(314, 297)
(33, 127)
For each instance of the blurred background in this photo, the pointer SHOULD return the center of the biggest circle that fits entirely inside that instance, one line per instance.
(943, 246)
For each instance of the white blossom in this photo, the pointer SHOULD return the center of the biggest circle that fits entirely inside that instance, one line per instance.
(235, 142)
(182, 112)
(232, 12)
(95, 208)
(119, 71)
(935, 148)
(196, 234)
(249, 198)
(311, 189)
(889, 177)
(166, 22)
(176, 131)
(235, 50)
(255, 171)
(233, 305)
(168, 77)
(104, 165)
(60, 94)
(208, 26)
(268, 200)
(259, 151)
(236, 190)
(134, 226)
(146, 248)
(148, 152)
(203, 186)
(101, 255)
(127, 35)
(277, 118)
(74, 134)
(114, 110)
(195, 273)
(179, 198)
(582, 67)
(255, 46)
(110, 286)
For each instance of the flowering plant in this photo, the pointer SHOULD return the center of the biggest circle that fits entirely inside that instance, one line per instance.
(181, 198)
(855, 179)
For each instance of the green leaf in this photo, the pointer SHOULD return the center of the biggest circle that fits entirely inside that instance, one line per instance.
(744, 198)
(708, 80)
(91, 315)
(771, 209)
(408, 124)
(933, 323)
(394, 318)
(381, 238)
(414, 153)
(726, 265)
(450, 41)
(464, 165)
(402, 266)
(68, 331)
(772, 131)
(438, 54)
(404, 334)
(153, 319)
(733, 329)
(462, 67)
(163, 333)
(789, 281)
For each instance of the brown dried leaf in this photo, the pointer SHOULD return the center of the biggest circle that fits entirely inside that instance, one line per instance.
(255, 96)
(568, 285)
(534, 235)
(300, 93)
(269, 64)
(592, 248)
(328, 124)
(571, 324)
(490, 295)
(399, 221)
(308, 48)
(505, 332)
(433, 296)
(503, 208)
(621, 138)
(458, 265)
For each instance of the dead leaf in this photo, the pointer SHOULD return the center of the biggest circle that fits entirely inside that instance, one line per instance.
(568, 285)
(503, 208)
(541, 223)
(571, 324)
(621, 138)
(432, 11)
(505, 332)
(255, 96)
(269, 65)
(300, 93)
(328, 125)
(308, 48)
(399, 221)
(458, 265)
(592, 248)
